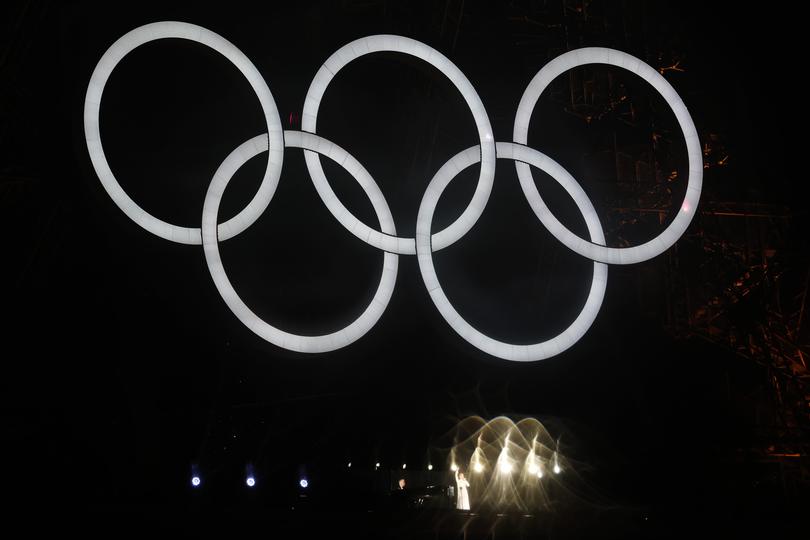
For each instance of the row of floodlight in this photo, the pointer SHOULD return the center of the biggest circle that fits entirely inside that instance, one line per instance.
(504, 466)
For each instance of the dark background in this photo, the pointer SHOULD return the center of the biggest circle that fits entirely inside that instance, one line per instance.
(122, 366)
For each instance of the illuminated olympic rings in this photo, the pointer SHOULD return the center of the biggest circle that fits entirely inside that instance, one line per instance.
(425, 242)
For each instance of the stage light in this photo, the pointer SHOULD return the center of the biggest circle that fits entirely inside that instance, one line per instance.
(196, 479)
(504, 464)
(478, 467)
(376, 465)
(350, 465)
(404, 466)
(303, 483)
(557, 469)
(532, 460)
(430, 467)
(250, 479)
(539, 473)
(454, 467)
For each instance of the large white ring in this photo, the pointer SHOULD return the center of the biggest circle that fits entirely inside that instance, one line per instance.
(592, 250)
(286, 340)
(309, 119)
(509, 351)
(92, 103)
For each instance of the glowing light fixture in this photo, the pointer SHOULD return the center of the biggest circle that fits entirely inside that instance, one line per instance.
(303, 483)
(196, 479)
(250, 479)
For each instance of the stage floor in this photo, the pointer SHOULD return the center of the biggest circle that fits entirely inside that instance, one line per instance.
(234, 522)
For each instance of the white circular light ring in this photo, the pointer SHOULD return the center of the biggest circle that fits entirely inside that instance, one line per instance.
(499, 349)
(391, 43)
(593, 250)
(280, 338)
(111, 58)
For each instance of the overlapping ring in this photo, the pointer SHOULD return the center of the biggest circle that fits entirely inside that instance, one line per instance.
(425, 242)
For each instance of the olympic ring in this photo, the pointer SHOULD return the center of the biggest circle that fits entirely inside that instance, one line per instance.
(425, 242)
(330, 68)
(507, 351)
(92, 103)
(375, 309)
(665, 240)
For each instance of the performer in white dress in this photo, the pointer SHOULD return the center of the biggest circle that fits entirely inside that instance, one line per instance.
(463, 498)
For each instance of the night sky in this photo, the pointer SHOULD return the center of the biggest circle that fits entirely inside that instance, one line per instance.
(123, 366)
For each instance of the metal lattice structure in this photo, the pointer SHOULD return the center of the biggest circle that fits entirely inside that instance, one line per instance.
(739, 278)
